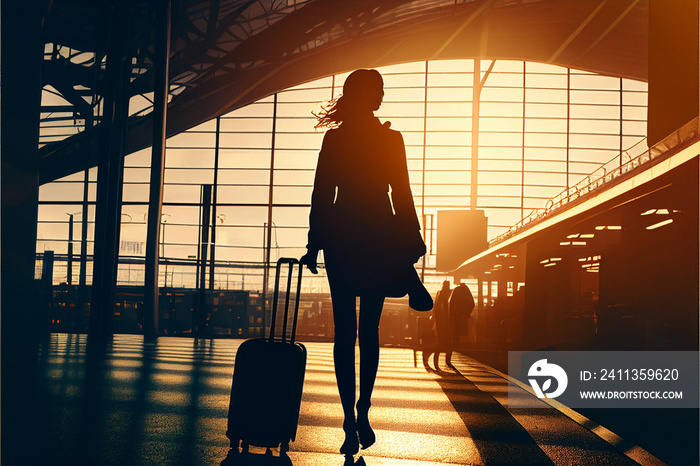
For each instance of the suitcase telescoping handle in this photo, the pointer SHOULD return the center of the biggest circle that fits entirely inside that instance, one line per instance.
(290, 263)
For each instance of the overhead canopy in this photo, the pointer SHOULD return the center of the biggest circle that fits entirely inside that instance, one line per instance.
(228, 53)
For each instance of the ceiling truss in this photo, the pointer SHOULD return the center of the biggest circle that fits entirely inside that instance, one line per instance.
(228, 53)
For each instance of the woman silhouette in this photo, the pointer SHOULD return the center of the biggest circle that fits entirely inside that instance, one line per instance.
(363, 217)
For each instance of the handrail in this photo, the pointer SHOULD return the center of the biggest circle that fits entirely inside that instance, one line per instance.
(606, 173)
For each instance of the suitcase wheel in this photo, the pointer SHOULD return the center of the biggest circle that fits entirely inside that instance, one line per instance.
(231, 458)
(284, 448)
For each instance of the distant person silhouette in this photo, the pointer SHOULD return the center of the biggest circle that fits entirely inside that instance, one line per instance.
(426, 338)
(461, 305)
(363, 218)
(443, 325)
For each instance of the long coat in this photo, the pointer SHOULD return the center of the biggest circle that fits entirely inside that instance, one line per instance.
(362, 210)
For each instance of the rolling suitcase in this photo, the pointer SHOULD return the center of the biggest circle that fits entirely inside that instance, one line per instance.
(268, 378)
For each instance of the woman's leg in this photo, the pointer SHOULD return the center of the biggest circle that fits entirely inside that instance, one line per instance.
(370, 313)
(452, 344)
(426, 357)
(345, 321)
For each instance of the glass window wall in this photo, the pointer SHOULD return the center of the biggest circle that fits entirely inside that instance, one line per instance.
(542, 128)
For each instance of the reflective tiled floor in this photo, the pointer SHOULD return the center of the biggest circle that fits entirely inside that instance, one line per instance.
(166, 403)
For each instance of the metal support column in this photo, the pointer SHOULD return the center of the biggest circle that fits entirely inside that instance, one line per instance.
(155, 199)
(622, 125)
(200, 320)
(83, 298)
(69, 270)
(568, 133)
(47, 266)
(110, 176)
(214, 216)
(422, 183)
(478, 84)
(23, 439)
(474, 169)
(267, 235)
(522, 146)
(82, 275)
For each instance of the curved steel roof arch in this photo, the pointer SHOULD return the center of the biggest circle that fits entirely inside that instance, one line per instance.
(227, 54)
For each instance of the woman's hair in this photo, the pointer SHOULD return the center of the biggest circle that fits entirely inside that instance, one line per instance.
(362, 92)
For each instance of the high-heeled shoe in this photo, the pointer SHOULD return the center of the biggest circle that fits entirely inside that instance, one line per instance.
(351, 445)
(365, 432)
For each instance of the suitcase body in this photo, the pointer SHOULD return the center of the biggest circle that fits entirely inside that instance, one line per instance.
(268, 379)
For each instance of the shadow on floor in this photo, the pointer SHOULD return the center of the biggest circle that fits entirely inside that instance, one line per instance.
(500, 439)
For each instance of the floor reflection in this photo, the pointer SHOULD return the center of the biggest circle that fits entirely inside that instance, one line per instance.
(138, 402)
